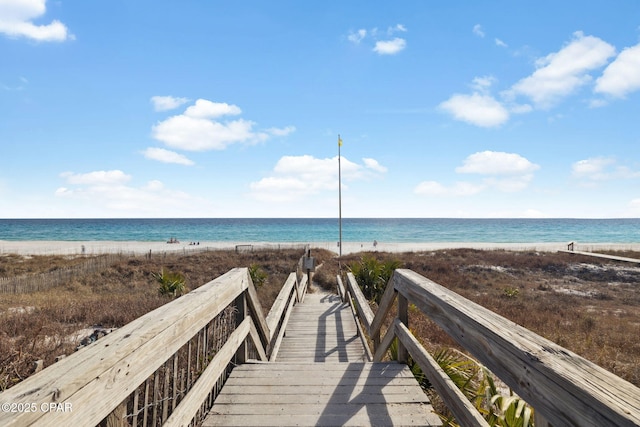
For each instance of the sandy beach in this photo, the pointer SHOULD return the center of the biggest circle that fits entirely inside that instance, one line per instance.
(136, 247)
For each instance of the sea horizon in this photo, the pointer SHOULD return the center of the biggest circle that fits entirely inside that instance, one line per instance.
(394, 230)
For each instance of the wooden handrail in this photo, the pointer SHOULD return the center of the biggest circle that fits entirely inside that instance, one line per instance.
(563, 387)
(278, 316)
(362, 305)
(94, 380)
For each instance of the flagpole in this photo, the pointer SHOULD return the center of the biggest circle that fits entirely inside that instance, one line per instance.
(339, 196)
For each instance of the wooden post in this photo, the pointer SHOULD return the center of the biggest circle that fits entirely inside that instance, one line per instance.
(117, 417)
(403, 316)
(241, 313)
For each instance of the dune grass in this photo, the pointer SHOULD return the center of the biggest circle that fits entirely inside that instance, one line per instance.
(588, 305)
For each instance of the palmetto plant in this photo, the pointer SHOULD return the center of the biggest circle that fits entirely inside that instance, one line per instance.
(171, 283)
(503, 411)
(258, 275)
(478, 385)
(373, 275)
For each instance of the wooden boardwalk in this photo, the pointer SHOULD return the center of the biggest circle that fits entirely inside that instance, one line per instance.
(605, 256)
(321, 377)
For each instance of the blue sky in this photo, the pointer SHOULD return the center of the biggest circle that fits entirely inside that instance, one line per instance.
(233, 109)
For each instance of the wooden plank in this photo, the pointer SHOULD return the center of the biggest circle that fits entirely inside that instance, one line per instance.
(566, 388)
(382, 349)
(295, 379)
(256, 310)
(293, 408)
(348, 417)
(341, 291)
(333, 390)
(281, 331)
(280, 304)
(464, 412)
(192, 402)
(326, 370)
(361, 335)
(386, 304)
(99, 376)
(362, 305)
(605, 256)
(302, 288)
(257, 343)
(310, 397)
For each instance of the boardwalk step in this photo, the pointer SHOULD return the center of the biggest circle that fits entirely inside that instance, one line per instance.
(331, 394)
(307, 386)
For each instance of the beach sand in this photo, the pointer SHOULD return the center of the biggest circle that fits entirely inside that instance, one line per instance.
(101, 247)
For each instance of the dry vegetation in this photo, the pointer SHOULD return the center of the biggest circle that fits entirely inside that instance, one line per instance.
(45, 325)
(588, 305)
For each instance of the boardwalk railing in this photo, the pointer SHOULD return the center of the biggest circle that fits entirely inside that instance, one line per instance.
(562, 387)
(164, 368)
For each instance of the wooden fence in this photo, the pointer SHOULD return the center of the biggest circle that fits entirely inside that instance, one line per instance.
(27, 283)
(563, 388)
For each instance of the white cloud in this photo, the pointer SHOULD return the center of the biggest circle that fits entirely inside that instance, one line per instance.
(561, 73)
(482, 84)
(601, 169)
(504, 172)
(390, 47)
(294, 177)
(97, 177)
(592, 168)
(166, 156)
(107, 192)
(399, 27)
(477, 30)
(622, 76)
(374, 165)
(497, 163)
(281, 131)
(477, 109)
(16, 18)
(199, 128)
(381, 47)
(165, 103)
(205, 109)
(357, 36)
(500, 43)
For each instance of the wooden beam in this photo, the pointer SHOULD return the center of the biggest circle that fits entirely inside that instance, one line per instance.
(464, 412)
(386, 304)
(564, 387)
(192, 402)
(256, 311)
(280, 304)
(362, 305)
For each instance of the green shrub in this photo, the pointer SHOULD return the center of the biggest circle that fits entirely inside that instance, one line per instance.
(171, 283)
(373, 275)
(258, 275)
(510, 292)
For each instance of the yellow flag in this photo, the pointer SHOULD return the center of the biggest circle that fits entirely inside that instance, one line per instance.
(339, 141)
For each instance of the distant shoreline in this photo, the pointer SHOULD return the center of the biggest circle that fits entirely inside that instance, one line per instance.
(96, 247)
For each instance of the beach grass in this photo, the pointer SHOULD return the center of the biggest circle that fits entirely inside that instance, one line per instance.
(588, 305)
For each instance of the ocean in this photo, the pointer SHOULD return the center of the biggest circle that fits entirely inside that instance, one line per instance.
(303, 230)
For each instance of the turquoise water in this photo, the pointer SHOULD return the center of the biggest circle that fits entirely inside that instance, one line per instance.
(391, 230)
